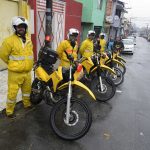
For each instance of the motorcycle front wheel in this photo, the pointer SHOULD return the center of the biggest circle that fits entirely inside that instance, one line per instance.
(122, 68)
(118, 78)
(79, 122)
(109, 89)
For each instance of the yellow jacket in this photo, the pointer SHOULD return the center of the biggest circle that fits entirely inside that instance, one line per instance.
(17, 55)
(86, 49)
(63, 47)
(103, 45)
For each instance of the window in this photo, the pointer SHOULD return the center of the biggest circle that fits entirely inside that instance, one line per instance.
(100, 3)
(118, 12)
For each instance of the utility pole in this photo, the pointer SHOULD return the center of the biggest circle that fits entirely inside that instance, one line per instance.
(48, 31)
(46, 55)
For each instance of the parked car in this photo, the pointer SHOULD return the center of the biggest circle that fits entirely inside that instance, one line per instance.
(148, 38)
(133, 38)
(134, 35)
(128, 46)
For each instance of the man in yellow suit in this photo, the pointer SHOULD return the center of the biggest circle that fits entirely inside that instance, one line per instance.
(17, 52)
(102, 42)
(68, 49)
(86, 49)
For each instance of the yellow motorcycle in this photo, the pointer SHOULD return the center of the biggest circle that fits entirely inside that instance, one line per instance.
(101, 85)
(118, 60)
(116, 55)
(70, 117)
(113, 63)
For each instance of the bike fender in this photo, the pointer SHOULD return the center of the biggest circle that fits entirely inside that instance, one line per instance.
(94, 69)
(104, 67)
(118, 62)
(120, 58)
(108, 61)
(63, 86)
(78, 83)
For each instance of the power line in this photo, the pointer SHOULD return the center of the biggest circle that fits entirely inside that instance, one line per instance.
(140, 18)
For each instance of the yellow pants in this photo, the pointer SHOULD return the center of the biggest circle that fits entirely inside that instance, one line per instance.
(15, 82)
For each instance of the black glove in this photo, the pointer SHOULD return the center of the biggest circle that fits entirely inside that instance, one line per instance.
(70, 57)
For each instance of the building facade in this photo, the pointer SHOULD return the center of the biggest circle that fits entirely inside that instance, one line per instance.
(58, 23)
(93, 13)
(114, 18)
(73, 16)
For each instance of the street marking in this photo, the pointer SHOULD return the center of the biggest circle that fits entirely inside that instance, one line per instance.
(118, 91)
(141, 133)
(107, 136)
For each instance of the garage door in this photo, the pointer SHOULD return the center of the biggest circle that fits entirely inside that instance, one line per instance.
(58, 22)
(8, 9)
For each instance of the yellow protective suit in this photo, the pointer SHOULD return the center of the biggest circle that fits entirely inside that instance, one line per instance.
(19, 58)
(103, 45)
(63, 47)
(86, 49)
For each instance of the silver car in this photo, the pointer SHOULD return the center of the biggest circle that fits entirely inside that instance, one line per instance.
(133, 38)
(128, 46)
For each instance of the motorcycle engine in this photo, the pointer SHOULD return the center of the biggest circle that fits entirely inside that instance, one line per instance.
(47, 97)
(36, 95)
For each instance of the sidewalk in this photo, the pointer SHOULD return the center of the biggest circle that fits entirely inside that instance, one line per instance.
(3, 89)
